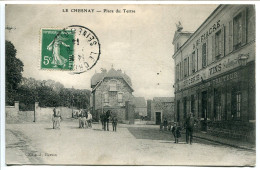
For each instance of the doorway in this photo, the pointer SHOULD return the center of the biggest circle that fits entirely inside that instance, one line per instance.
(178, 111)
(204, 113)
(158, 119)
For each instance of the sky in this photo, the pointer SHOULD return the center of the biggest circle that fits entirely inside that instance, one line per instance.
(139, 43)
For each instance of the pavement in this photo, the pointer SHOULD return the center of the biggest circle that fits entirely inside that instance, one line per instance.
(38, 143)
(224, 141)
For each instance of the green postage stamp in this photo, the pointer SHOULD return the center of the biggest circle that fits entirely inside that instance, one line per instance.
(75, 48)
(57, 48)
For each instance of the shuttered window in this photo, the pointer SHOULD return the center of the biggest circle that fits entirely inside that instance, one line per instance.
(218, 44)
(204, 55)
(177, 72)
(106, 99)
(239, 30)
(185, 67)
(193, 62)
(120, 97)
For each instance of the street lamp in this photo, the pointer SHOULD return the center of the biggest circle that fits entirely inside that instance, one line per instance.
(242, 59)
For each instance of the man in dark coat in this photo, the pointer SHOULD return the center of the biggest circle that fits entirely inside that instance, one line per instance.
(102, 117)
(189, 123)
(106, 120)
(114, 123)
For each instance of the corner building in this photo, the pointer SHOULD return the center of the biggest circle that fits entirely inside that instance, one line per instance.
(215, 72)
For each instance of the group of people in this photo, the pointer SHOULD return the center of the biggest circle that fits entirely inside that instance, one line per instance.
(85, 119)
(105, 118)
(189, 124)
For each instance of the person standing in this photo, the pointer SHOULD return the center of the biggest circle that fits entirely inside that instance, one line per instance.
(80, 117)
(114, 123)
(190, 123)
(102, 119)
(89, 119)
(176, 131)
(106, 121)
(165, 124)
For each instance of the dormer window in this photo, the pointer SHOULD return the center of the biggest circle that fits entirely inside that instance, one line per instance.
(113, 86)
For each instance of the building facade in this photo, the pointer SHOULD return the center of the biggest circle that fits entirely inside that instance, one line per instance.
(160, 108)
(111, 90)
(215, 72)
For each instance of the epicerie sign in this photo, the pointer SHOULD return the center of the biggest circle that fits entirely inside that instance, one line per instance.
(192, 80)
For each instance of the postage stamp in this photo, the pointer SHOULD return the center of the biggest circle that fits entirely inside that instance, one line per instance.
(75, 48)
(57, 49)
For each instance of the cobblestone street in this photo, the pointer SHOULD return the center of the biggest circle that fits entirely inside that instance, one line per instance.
(130, 145)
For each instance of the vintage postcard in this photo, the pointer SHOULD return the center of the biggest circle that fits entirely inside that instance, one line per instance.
(90, 84)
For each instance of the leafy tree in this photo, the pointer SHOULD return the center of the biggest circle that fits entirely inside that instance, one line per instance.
(14, 69)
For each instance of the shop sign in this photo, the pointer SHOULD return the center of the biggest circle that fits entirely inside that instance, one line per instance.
(188, 82)
(206, 34)
(225, 78)
(223, 66)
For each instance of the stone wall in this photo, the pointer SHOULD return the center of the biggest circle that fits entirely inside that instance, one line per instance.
(11, 111)
(45, 114)
(13, 115)
(104, 87)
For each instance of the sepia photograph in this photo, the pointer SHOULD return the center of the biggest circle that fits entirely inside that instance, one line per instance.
(130, 84)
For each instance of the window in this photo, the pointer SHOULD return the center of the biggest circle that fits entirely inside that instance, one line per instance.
(185, 67)
(238, 31)
(236, 102)
(204, 55)
(120, 97)
(238, 97)
(113, 86)
(218, 43)
(197, 60)
(193, 62)
(217, 105)
(106, 100)
(180, 70)
(177, 72)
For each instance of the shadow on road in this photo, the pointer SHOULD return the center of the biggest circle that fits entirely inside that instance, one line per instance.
(149, 133)
(97, 129)
(48, 128)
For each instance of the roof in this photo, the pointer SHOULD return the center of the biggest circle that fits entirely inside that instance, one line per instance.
(112, 73)
(164, 99)
(181, 33)
(139, 102)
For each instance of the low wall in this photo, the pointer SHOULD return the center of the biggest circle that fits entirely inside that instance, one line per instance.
(13, 115)
(44, 114)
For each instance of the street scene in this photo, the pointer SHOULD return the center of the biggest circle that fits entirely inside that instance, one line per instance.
(134, 85)
(130, 145)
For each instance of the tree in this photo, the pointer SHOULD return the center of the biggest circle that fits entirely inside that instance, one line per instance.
(14, 69)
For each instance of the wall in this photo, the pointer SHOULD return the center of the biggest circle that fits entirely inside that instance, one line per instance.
(45, 114)
(142, 111)
(11, 111)
(149, 111)
(167, 109)
(13, 115)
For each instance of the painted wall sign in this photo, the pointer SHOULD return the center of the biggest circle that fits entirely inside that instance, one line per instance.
(206, 34)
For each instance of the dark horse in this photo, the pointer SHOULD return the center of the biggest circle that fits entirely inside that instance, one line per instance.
(106, 120)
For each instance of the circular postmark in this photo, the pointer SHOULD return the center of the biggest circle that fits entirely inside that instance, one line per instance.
(75, 48)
